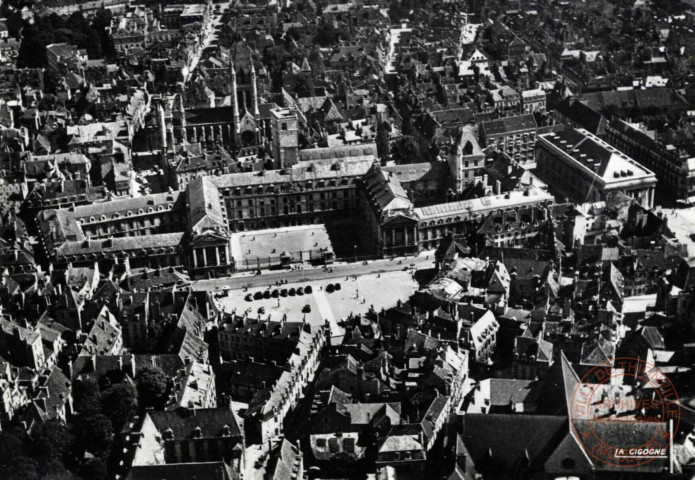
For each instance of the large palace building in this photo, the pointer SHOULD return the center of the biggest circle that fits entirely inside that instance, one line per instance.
(196, 227)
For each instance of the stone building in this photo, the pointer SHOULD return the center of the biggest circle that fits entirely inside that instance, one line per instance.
(22, 346)
(584, 168)
(674, 167)
(515, 136)
(466, 160)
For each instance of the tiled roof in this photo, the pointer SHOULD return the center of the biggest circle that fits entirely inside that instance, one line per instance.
(418, 172)
(364, 413)
(102, 336)
(124, 205)
(183, 422)
(182, 471)
(204, 206)
(304, 171)
(483, 205)
(120, 244)
(287, 456)
(509, 125)
(385, 191)
(192, 386)
(490, 441)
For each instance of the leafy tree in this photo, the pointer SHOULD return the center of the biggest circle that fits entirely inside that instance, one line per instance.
(94, 469)
(21, 468)
(382, 141)
(32, 50)
(13, 444)
(95, 434)
(87, 398)
(119, 403)
(101, 23)
(58, 475)
(327, 35)
(406, 150)
(51, 441)
(294, 32)
(94, 37)
(275, 58)
(152, 386)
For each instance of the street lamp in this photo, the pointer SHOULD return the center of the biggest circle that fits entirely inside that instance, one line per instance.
(355, 253)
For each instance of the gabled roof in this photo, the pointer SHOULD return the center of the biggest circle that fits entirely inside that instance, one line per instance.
(385, 191)
(183, 422)
(205, 207)
(581, 114)
(182, 471)
(330, 111)
(501, 443)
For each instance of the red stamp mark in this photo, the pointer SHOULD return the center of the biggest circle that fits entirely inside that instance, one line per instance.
(626, 414)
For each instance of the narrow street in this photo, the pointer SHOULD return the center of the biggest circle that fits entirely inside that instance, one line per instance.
(337, 270)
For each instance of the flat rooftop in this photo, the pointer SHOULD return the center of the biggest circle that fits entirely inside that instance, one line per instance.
(273, 242)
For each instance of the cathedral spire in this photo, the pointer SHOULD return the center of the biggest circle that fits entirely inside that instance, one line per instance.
(254, 92)
(161, 120)
(235, 101)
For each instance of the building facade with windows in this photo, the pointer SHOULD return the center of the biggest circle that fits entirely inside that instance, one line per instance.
(582, 167)
(515, 136)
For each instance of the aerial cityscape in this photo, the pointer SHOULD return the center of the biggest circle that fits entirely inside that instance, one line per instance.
(347, 239)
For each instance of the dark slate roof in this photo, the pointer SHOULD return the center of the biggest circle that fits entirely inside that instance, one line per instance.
(181, 471)
(585, 149)
(626, 435)
(643, 99)
(183, 422)
(583, 115)
(499, 442)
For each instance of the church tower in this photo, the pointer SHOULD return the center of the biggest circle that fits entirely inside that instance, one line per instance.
(235, 100)
(162, 128)
(254, 93)
(285, 137)
(180, 130)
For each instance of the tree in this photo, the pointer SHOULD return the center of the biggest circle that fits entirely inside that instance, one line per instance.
(152, 387)
(382, 141)
(95, 434)
(21, 468)
(406, 150)
(327, 35)
(275, 57)
(94, 469)
(294, 32)
(51, 441)
(87, 398)
(13, 443)
(119, 403)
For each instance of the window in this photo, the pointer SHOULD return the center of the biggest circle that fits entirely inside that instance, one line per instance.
(283, 126)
